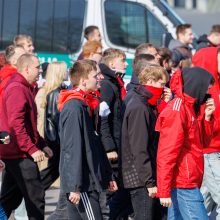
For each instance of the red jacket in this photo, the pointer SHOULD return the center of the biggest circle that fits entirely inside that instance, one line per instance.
(182, 137)
(207, 59)
(18, 117)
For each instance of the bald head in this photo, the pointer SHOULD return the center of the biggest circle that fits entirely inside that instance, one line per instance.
(28, 65)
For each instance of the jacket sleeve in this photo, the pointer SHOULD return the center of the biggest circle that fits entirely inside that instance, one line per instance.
(16, 119)
(207, 131)
(107, 95)
(52, 119)
(71, 169)
(171, 128)
(138, 132)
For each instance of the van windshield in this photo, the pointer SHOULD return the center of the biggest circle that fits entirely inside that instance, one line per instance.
(168, 12)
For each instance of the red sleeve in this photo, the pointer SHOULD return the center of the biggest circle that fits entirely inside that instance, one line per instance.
(161, 106)
(16, 119)
(171, 128)
(207, 131)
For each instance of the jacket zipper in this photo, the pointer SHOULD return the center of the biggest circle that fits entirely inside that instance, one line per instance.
(187, 167)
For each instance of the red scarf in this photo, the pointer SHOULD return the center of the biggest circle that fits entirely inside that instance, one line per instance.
(156, 92)
(121, 83)
(76, 93)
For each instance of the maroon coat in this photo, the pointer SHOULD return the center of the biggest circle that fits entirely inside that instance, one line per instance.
(18, 116)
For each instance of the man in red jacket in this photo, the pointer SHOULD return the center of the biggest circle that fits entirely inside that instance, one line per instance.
(185, 127)
(209, 59)
(18, 118)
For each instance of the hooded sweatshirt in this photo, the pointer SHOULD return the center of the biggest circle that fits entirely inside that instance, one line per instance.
(207, 58)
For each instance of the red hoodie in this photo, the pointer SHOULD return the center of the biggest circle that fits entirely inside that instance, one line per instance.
(207, 58)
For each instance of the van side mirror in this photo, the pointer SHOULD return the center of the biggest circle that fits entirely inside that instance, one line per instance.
(166, 38)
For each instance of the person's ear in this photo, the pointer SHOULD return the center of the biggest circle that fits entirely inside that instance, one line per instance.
(111, 65)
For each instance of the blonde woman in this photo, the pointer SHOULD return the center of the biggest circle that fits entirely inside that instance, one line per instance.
(48, 118)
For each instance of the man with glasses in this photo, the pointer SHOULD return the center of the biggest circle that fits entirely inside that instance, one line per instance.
(18, 117)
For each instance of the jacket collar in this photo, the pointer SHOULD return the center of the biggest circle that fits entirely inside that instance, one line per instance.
(107, 72)
(143, 93)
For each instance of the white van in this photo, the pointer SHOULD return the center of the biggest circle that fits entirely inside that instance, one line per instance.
(56, 26)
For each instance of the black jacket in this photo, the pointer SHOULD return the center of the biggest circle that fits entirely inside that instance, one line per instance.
(83, 162)
(203, 42)
(139, 141)
(110, 128)
(51, 122)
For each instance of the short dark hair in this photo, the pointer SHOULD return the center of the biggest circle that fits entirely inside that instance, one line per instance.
(81, 69)
(140, 62)
(180, 29)
(215, 29)
(165, 55)
(140, 48)
(89, 30)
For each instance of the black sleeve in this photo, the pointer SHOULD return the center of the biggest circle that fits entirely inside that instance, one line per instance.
(138, 132)
(72, 145)
(107, 95)
(52, 119)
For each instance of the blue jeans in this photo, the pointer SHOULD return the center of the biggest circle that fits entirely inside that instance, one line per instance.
(211, 181)
(2, 214)
(187, 204)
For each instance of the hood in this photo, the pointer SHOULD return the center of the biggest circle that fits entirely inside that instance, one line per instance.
(183, 82)
(6, 71)
(133, 83)
(196, 82)
(176, 43)
(203, 38)
(91, 99)
(207, 58)
(66, 95)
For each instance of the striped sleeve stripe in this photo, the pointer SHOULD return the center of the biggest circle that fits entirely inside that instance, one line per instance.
(87, 206)
(177, 104)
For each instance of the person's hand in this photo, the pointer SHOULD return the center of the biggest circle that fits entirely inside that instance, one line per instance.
(2, 165)
(74, 197)
(38, 156)
(209, 108)
(152, 191)
(166, 202)
(112, 186)
(167, 94)
(6, 140)
(48, 152)
(113, 156)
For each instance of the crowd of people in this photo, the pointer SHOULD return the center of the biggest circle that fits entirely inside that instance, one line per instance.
(146, 150)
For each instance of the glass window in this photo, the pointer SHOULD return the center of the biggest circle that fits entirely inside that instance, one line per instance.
(10, 21)
(28, 10)
(55, 25)
(130, 24)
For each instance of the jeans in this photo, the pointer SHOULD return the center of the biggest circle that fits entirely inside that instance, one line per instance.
(2, 214)
(142, 204)
(187, 204)
(211, 181)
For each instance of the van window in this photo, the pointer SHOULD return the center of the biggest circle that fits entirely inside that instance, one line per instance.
(55, 25)
(129, 24)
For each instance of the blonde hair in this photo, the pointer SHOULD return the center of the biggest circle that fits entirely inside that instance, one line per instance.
(153, 72)
(19, 39)
(110, 54)
(54, 77)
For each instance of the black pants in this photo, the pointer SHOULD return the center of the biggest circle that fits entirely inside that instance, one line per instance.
(51, 172)
(21, 179)
(87, 209)
(142, 204)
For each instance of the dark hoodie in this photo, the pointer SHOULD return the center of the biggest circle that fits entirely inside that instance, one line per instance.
(207, 58)
(203, 42)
